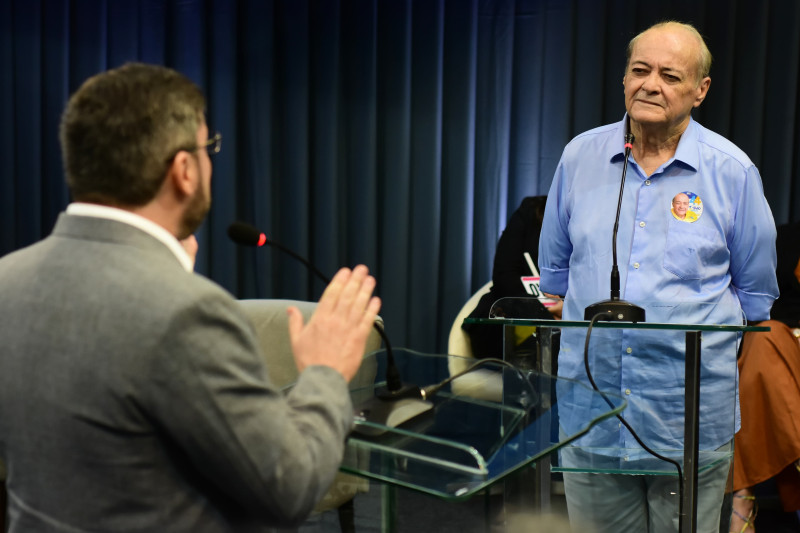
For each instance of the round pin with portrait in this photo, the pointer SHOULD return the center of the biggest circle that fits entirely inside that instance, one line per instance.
(686, 206)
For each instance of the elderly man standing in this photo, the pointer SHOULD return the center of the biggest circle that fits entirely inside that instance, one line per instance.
(715, 268)
(133, 394)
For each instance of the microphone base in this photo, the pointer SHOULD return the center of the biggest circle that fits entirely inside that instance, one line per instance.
(405, 391)
(388, 414)
(615, 311)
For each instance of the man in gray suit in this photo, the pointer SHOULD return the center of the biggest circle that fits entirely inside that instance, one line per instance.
(133, 396)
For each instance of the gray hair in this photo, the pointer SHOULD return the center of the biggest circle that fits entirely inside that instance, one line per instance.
(704, 55)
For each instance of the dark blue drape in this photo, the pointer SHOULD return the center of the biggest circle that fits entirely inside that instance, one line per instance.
(397, 133)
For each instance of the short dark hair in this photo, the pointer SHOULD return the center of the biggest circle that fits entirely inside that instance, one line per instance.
(121, 129)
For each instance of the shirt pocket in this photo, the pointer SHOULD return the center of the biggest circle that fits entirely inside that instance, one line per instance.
(689, 247)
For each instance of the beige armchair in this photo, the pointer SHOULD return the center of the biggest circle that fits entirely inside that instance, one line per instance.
(272, 328)
(480, 383)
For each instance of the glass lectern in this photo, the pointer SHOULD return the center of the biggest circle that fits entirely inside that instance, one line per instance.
(681, 327)
(456, 443)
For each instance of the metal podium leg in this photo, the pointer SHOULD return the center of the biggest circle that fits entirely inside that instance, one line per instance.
(542, 484)
(530, 488)
(388, 508)
(691, 431)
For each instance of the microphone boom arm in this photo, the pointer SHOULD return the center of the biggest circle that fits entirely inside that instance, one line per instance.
(614, 309)
(245, 234)
(615, 283)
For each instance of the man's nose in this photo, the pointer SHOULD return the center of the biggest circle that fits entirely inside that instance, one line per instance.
(651, 83)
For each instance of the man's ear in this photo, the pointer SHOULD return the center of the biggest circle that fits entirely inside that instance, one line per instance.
(182, 174)
(702, 91)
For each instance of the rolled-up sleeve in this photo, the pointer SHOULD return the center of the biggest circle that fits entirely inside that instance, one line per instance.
(555, 247)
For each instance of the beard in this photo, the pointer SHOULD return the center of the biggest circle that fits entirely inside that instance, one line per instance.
(195, 213)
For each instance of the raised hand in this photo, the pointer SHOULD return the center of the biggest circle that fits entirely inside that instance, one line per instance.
(336, 334)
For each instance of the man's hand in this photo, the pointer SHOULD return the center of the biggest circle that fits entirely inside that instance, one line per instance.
(336, 334)
(557, 307)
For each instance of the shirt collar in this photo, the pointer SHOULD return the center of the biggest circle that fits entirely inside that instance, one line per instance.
(616, 144)
(132, 219)
(686, 153)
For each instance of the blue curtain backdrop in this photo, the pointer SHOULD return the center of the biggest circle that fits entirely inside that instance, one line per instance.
(396, 133)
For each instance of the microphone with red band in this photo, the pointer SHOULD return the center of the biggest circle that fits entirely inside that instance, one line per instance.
(395, 390)
(246, 235)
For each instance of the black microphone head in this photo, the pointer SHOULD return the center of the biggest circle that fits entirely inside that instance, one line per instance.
(245, 234)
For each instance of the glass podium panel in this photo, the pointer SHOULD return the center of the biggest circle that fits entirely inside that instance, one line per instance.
(658, 366)
(455, 443)
(660, 316)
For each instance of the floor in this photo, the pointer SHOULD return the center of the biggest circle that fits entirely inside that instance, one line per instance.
(419, 513)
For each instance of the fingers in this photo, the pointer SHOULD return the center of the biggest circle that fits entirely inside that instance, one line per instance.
(336, 333)
(371, 314)
(348, 292)
(295, 322)
(358, 303)
(334, 289)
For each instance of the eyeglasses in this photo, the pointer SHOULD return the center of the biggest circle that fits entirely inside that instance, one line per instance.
(213, 145)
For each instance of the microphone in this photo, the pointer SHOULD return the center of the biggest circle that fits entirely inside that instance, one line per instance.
(614, 309)
(395, 390)
(247, 235)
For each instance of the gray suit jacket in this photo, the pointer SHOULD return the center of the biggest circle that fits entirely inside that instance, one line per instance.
(133, 396)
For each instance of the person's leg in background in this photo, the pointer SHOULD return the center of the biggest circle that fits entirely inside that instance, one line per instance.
(642, 503)
(606, 503)
(663, 499)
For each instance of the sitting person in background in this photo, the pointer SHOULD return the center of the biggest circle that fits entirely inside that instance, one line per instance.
(768, 444)
(514, 275)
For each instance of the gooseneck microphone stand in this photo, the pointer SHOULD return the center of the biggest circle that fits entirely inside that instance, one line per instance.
(614, 309)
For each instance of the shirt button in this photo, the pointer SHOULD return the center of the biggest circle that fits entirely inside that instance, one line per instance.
(642, 224)
(636, 265)
(647, 182)
(628, 391)
(629, 349)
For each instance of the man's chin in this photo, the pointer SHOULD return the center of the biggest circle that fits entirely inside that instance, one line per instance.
(192, 220)
(648, 118)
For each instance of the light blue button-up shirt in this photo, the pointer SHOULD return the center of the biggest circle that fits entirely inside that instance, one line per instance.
(716, 266)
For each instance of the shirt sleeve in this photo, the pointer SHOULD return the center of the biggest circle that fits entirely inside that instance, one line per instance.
(555, 247)
(753, 256)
